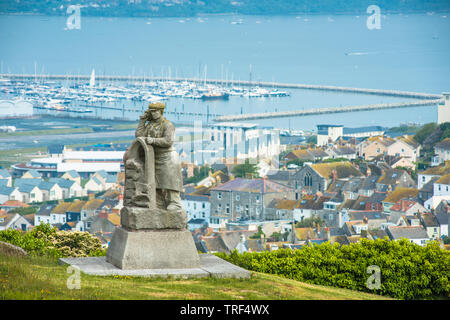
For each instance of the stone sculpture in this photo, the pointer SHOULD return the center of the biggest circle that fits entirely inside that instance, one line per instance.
(153, 225)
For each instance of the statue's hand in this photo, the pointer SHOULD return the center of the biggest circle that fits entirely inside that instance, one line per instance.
(150, 140)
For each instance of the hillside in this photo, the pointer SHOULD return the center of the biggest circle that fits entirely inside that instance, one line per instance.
(39, 278)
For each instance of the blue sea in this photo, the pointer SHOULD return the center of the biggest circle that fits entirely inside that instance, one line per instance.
(409, 52)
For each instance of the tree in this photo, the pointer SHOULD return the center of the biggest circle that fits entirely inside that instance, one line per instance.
(424, 132)
(199, 174)
(258, 234)
(241, 170)
(24, 210)
(310, 222)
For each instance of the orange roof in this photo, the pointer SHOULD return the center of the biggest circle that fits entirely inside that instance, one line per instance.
(403, 205)
(15, 203)
(444, 179)
(114, 218)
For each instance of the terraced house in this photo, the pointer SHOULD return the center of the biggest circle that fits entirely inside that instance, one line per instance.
(317, 177)
(245, 198)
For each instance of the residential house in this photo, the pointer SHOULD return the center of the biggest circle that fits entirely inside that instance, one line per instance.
(72, 175)
(31, 174)
(442, 186)
(91, 208)
(431, 225)
(280, 209)
(368, 185)
(398, 194)
(14, 221)
(341, 152)
(224, 241)
(426, 192)
(317, 177)
(73, 226)
(13, 204)
(198, 223)
(94, 184)
(196, 206)
(394, 178)
(285, 177)
(405, 207)
(442, 151)
(73, 212)
(309, 206)
(426, 175)
(6, 176)
(102, 223)
(306, 155)
(50, 190)
(30, 193)
(434, 201)
(43, 215)
(375, 201)
(415, 234)
(373, 147)
(70, 188)
(58, 213)
(405, 147)
(442, 214)
(245, 198)
(7, 193)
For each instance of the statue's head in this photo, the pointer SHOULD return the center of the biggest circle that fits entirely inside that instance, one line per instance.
(155, 110)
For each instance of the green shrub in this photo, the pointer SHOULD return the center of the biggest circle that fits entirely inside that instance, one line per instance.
(45, 240)
(408, 271)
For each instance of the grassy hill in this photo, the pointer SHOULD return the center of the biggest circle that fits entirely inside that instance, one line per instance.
(41, 278)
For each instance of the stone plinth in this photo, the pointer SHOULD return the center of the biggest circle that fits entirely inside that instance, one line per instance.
(152, 249)
(136, 218)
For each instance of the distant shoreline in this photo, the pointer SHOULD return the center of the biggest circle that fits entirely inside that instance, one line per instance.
(91, 13)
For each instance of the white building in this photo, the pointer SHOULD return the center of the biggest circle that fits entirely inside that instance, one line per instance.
(442, 186)
(444, 109)
(244, 141)
(196, 206)
(14, 221)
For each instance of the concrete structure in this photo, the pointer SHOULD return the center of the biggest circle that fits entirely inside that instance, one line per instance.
(444, 109)
(327, 133)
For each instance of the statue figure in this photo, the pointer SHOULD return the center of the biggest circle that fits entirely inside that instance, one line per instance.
(152, 232)
(159, 133)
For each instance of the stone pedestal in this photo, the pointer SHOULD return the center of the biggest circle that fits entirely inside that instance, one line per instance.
(153, 249)
(150, 237)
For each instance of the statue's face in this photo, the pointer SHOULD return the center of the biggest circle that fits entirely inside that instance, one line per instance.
(156, 114)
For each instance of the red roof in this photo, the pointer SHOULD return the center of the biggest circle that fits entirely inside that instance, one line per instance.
(14, 203)
(403, 205)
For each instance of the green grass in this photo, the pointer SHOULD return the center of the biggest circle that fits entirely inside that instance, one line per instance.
(12, 156)
(39, 278)
(46, 132)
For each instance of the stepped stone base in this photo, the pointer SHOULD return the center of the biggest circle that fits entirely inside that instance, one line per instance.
(152, 249)
(210, 266)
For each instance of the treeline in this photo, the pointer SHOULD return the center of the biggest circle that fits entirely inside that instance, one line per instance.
(187, 8)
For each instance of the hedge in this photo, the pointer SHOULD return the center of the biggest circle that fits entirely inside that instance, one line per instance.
(408, 271)
(45, 240)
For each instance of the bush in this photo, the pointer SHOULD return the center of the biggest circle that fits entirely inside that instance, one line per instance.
(408, 271)
(45, 240)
